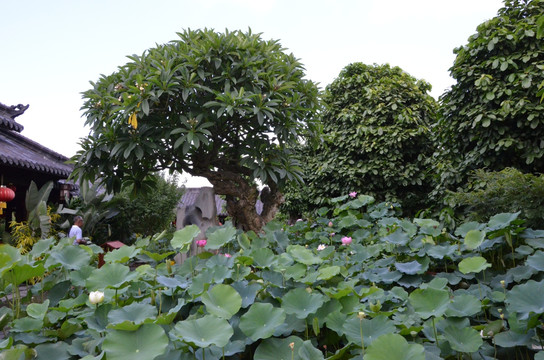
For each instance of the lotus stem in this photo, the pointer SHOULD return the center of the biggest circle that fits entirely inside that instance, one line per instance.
(435, 333)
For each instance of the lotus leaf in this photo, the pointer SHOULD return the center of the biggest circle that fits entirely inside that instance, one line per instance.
(464, 305)
(429, 302)
(19, 273)
(148, 342)
(71, 257)
(526, 298)
(441, 251)
(122, 255)
(410, 268)
(466, 339)
(205, 331)
(247, 291)
(372, 329)
(536, 261)
(474, 238)
(279, 349)
(263, 257)
(511, 338)
(261, 320)
(501, 221)
(57, 351)
(220, 236)
(328, 272)
(301, 303)
(394, 347)
(303, 255)
(183, 238)
(519, 273)
(398, 237)
(36, 310)
(112, 275)
(222, 301)
(463, 229)
(473, 264)
(133, 314)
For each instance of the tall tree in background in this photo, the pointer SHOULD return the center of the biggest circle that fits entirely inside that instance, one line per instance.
(218, 105)
(377, 140)
(492, 118)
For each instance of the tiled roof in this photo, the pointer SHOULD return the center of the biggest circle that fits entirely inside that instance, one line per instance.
(190, 195)
(19, 151)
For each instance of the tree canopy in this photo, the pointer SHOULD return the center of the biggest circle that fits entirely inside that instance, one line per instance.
(492, 117)
(219, 105)
(377, 139)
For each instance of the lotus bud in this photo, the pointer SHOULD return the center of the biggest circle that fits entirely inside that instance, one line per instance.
(292, 346)
(96, 297)
(376, 307)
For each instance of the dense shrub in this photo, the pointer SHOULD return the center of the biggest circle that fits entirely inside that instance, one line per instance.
(508, 190)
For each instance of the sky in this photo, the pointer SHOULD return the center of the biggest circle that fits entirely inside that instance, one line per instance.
(51, 50)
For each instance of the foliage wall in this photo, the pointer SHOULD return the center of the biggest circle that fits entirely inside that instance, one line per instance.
(376, 140)
(492, 118)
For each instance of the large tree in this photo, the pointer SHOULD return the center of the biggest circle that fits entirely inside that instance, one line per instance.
(492, 118)
(376, 140)
(218, 105)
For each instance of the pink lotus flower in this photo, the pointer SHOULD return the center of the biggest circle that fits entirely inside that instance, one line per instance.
(321, 247)
(228, 255)
(201, 243)
(346, 240)
(353, 194)
(332, 234)
(330, 223)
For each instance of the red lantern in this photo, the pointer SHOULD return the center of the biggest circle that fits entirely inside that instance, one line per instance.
(6, 194)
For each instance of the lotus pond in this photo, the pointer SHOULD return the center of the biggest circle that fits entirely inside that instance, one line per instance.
(398, 289)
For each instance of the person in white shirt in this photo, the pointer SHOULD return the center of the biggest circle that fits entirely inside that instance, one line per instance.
(75, 231)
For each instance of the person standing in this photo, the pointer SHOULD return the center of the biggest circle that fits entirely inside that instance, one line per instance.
(76, 232)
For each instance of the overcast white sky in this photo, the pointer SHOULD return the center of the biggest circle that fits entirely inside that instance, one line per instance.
(50, 50)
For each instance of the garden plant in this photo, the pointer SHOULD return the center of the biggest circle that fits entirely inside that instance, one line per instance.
(356, 282)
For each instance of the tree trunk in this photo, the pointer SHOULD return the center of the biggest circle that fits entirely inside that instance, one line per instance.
(242, 199)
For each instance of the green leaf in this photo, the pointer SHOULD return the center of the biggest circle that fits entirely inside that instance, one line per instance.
(303, 255)
(372, 329)
(110, 275)
(220, 237)
(279, 349)
(133, 314)
(473, 264)
(509, 339)
(222, 301)
(121, 255)
(205, 331)
(148, 342)
(301, 303)
(36, 310)
(183, 238)
(327, 272)
(398, 237)
(464, 339)
(525, 299)
(261, 321)
(464, 305)
(263, 257)
(429, 302)
(410, 268)
(536, 261)
(394, 347)
(57, 351)
(474, 238)
(70, 257)
(501, 221)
